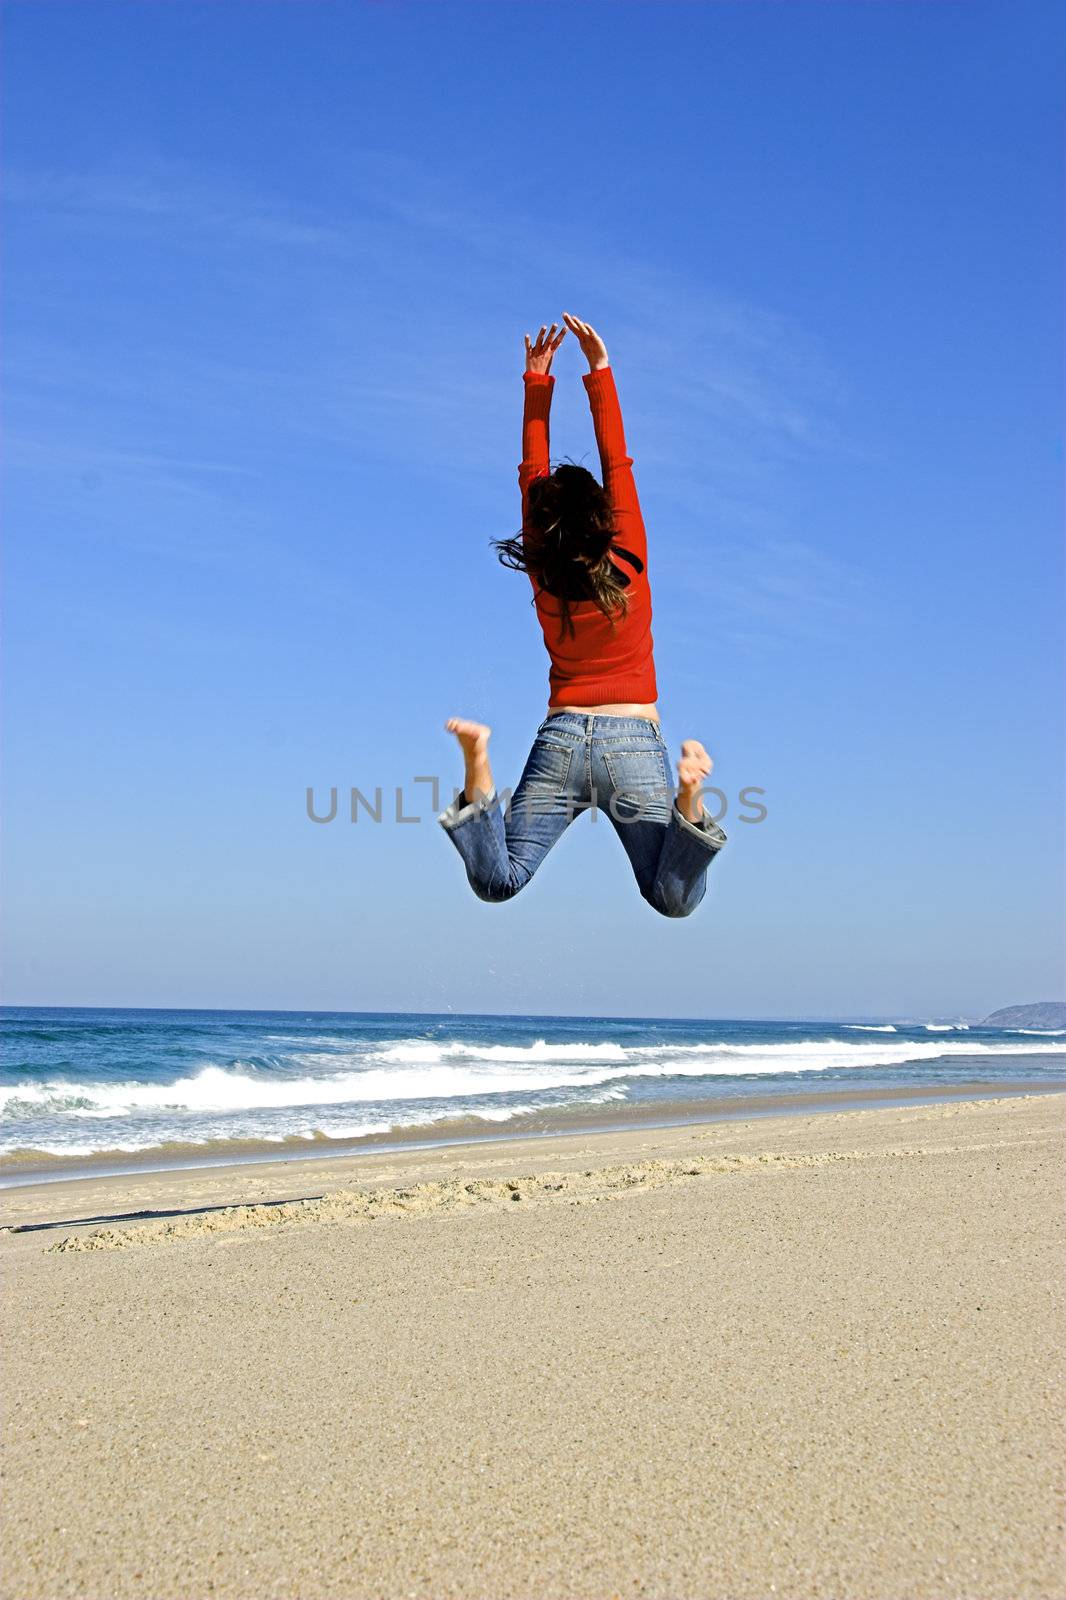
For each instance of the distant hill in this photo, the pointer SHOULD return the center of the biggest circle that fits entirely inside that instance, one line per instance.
(1042, 1014)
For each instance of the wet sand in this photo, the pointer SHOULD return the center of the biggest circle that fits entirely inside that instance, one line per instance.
(29, 1166)
(803, 1356)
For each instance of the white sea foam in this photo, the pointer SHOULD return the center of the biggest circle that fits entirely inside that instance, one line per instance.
(415, 1052)
(947, 1027)
(283, 1128)
(457, 1073)
(339, 1040)
(1044, 1033)
(870, 1027)
(153, 1136)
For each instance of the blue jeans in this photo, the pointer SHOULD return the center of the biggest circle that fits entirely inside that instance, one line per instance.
(617, 765)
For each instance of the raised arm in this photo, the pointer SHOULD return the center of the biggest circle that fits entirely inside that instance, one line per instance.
(536, 410)
(538, 384)
(616, 464)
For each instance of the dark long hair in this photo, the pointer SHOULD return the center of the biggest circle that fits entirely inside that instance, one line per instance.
(566, 545)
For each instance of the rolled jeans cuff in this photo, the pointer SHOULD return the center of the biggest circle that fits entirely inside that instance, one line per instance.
(706, 829)
(455, 814)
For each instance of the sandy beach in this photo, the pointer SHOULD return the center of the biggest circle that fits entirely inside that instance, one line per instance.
(804, 1356)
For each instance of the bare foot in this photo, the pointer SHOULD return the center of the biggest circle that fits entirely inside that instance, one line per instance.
(694, 766)
(473, 739)
(468, 734)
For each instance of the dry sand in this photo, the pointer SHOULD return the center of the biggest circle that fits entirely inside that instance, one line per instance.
(812, 1356)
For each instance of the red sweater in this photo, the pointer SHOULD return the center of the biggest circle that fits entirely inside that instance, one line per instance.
(598, 664)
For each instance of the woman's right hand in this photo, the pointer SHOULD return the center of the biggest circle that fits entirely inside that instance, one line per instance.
(592, 346)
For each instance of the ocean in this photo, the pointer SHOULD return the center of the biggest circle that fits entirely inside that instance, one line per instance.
(94, 1089)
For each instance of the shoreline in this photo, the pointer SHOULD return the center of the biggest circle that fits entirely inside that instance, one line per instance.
(178, 1193)
(22, 1169)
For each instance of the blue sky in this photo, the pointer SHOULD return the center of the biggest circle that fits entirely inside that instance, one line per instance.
(268, 268)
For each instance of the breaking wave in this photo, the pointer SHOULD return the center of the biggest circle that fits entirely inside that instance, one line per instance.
(454, 1072)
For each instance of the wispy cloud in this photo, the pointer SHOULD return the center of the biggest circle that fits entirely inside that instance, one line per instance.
(756, 595)
(390, 329)
(169, 196)
(52, 455)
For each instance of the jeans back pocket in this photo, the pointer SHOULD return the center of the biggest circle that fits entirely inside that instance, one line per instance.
(548, 766)
(640, 782)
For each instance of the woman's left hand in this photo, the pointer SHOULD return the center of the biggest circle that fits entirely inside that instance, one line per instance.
(539, 355)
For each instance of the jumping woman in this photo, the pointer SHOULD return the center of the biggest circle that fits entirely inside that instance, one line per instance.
(584, 548)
